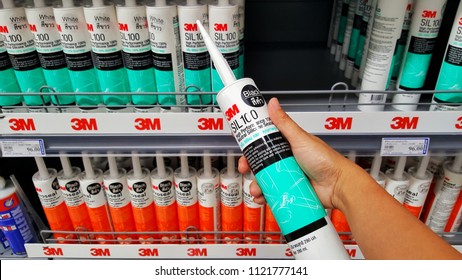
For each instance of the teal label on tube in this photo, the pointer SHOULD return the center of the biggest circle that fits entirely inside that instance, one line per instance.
(343, 22)
(8, 81)
(450, 77)
(418, 59)
(75, 41)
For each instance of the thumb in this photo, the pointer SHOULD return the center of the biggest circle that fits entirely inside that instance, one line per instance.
(290, 129)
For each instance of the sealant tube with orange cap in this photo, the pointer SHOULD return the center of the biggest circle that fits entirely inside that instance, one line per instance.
(231, 202)
(91, 185)
(208, 195)
(68, 179)
(254, 213)
(419, 185)
(165, 202)
(186, 198)
(271, 226)
(139, 184)
(47, 187)
(118, 198)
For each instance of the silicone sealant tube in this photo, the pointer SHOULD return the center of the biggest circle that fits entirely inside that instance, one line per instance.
(107, 50)
(363, 44)
(254, 213)
(164, 198)
(424, 30)
(224, 31)
(419, 185)
(231, 202)
(397, 180)
(442, 200)
(48, 45)
(455, 219)
(19, 43)
(166, 52)
(186, 197)
(136, 45)
(342, 28)
(347, 36)
(118, 198)
(355, 32)
(338, 16)
(139, 184)
(75, 41)
(92, 187)
(386, 30)
(299, 212)
(68, 179)
(333, 18)
(450, 76)
(14, 219)
(375, 172)
(196, 59)
(241, 13)
(47, 187)
(208, 191)
(400, 48)
(271, 227)
(8, 83)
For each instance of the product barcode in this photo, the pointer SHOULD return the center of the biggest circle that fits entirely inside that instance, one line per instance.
(377, 97)
(389, 147)
(7, 148)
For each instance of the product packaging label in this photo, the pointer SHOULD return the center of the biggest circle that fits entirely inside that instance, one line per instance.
(231, 191)
(164, 192)
(10, 208)
(93, 192)
(417, 193)
(140, 192)
(118, 195)
(186, 192)
(49, 192)
(71, 192)
(208, 191)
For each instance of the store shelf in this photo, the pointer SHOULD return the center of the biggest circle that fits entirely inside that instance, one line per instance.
(332, 115)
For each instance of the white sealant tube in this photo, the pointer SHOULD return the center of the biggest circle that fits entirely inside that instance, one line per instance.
(338, 14)
(342, 28)
(332, 23)
(347, 36)
(208, 191)
(300, 215)
(397, 180)
(419, 185)
(447, 190)
(386, 30)
(375, 170)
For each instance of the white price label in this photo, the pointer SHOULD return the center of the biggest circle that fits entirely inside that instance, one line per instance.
(22, 147)
(404, 146)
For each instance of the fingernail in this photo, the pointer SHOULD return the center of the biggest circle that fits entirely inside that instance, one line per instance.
(274, 103)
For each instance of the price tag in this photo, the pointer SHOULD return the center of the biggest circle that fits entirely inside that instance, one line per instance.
(22, 147)
(404, 146)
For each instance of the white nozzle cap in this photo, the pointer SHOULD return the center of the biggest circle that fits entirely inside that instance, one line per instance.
(457, 164)
(130, 3)
(161, 3)
(375, 168)
(68, 3)
(39, 3)
(191, 2)
(113, 170)
(352, 156)
(399, 168)
(222, 66)
(160, 166)
(42, 168)
(184, 167)
(231, 169)
(2, 182)
(423, 166)
(67, 168)
(223, 2)
(98, 3)
(207, 166)
(137, 171)
(8, 4)
(89, 173)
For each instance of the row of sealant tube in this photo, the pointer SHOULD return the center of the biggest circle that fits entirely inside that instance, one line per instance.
(388, 45)
(115, 49)
(162, 206)
(429, 187)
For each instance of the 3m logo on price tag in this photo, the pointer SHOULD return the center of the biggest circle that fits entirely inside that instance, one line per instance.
(22, 147)
(404, 146)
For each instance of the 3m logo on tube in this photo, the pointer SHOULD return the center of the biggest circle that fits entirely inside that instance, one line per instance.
(90, 27)
(146, 252)
(429, 14)
(147, 124)
(459, 123)
(4, 29)
(246, 252)
(232, 112)
(220, 27)
(404, 123)
(197, 252)
(289, 253)
(84, 124)
(123, 27)
(339, 123)
(190, 27)
(21, 124)
(351, 252)
(47, 251)
(59, 27)
(33, 27)
(210, 124)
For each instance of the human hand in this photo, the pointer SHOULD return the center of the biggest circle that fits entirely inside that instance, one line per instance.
(329, 172)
